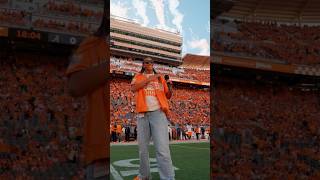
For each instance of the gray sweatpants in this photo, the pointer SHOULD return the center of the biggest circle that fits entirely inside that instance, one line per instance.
(154, 124)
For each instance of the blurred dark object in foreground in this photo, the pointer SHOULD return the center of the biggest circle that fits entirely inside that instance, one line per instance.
(220, 6)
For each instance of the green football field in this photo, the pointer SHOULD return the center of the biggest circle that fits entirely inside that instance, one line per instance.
(191, 161)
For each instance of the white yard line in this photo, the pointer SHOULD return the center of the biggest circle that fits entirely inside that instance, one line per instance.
(115, 174)
(171, 142)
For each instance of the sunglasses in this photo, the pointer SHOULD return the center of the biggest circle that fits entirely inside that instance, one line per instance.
(147, 62)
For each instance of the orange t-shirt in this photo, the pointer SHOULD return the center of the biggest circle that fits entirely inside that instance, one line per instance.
(160, 93)
(119, 128)
(91, 52)
(113, 129)
(198, 130)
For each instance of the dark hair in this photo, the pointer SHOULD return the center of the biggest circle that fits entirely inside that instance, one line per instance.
(154, 71)
(144, 69)
(103, 28)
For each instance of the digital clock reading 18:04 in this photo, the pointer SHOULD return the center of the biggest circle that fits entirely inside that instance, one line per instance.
(28, 34)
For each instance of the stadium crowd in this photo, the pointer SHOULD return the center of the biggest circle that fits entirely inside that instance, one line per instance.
(73, 9)
(270, 131)
(288, 43)
(40, 124)
(128, 65)
(14, 17)
(64, 25)
(198, 74)
(189, 108)
(72, 16)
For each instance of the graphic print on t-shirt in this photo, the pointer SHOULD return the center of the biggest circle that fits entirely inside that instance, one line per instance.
(150, 92)
(151, 87)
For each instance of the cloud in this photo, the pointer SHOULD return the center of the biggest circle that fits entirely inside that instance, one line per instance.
(192, 33)
(177, 15)
(201, 44)
(184, 43)
(184, 49)
(141, 8)
(158, 6)
(118, 9)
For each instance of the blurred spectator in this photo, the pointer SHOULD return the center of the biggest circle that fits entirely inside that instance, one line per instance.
(14, 17)
(40, 125)
(286, 43)
(264, 131)
(127, 65)
(64, 25)
(186, 107)
(72, 9)
(71, 16)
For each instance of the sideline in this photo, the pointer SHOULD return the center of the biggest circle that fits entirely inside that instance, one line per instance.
(151, 143)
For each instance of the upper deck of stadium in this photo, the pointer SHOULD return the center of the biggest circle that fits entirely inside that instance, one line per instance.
(304, 11)
(80, 17)
(131, 38)
(281, 36)
(131, 25)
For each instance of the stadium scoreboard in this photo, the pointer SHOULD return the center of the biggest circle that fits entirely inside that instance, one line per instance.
(26, 34)
(64, 39)
(40, 36)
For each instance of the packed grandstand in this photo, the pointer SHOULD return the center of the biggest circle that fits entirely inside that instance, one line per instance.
(76, 17)
(266, 91)
(41, 125)
(188, 112)
(190, 76)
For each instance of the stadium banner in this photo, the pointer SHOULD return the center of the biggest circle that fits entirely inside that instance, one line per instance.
(3, 32)
(236, 61)
(283, 68)
(254, 64)
(27, 34)
(129, 73)
(307, 70)
(64, 39)
(270, 66)
(172, 78)
(189, 82)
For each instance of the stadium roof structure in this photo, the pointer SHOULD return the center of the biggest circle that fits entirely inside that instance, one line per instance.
(292, 11)
(132, 21)
(192, 61)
